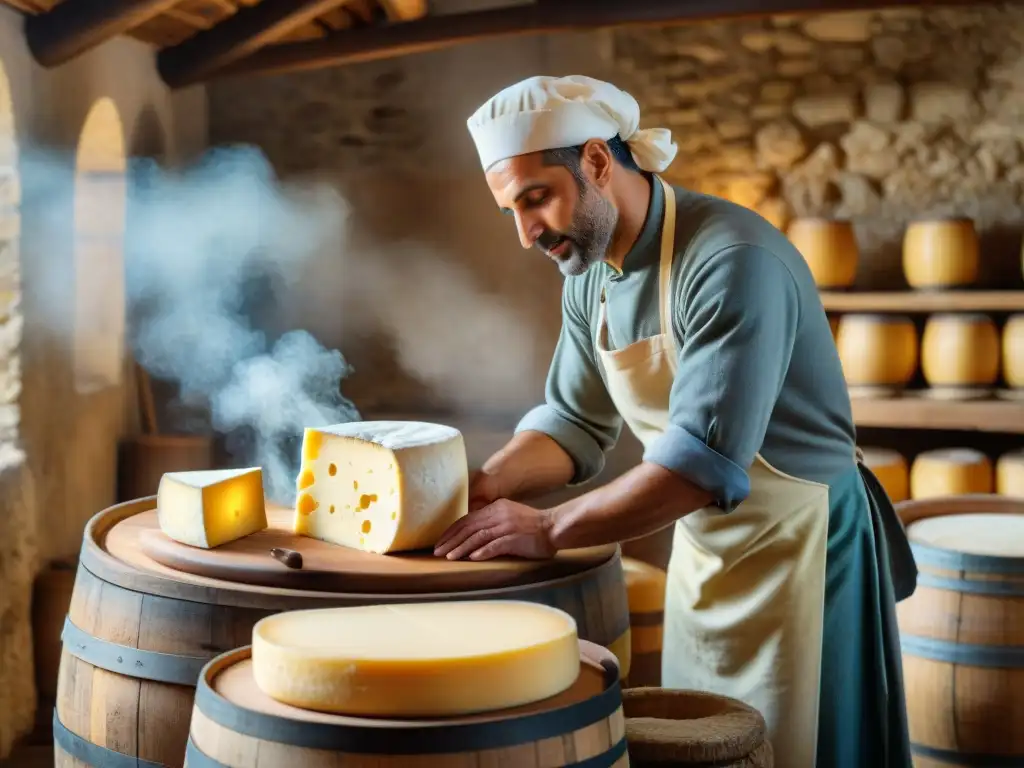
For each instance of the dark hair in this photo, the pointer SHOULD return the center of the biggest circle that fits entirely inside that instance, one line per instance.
(570, 157)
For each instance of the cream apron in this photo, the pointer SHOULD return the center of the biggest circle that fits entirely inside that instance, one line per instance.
(746, 590)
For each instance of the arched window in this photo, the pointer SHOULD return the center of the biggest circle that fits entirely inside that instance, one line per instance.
(100, 203)
(10, 269)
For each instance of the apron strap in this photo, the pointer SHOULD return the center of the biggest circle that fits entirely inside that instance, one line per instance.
(668, 239)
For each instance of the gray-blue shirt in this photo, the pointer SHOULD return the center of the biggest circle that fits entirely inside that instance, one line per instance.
(758, 369)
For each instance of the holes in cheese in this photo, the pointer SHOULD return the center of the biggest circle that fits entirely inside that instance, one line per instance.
(416, 660)
(396, 485)
(207, 508)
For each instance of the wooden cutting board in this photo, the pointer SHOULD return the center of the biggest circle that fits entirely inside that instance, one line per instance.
(332, 568)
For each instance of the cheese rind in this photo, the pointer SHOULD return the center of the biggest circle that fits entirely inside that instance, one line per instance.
(416, 660)
(208, 508)
(381, 486)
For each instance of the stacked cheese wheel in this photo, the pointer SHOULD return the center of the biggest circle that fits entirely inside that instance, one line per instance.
(416, 659)
(950, 472)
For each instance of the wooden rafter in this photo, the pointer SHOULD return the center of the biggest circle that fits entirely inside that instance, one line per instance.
(543, 16)
(75, 26)
(236, 37)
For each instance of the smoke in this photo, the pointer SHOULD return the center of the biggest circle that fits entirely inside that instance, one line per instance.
(201, 244)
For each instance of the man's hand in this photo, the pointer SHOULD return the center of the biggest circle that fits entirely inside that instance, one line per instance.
(502, 527)
(483, 489)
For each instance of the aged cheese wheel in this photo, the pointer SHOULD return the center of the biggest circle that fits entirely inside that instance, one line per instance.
(877, 350)
(830, 249)
(940, 253)
(960, 350)
(416, 659)
(950, 472)
(1013, 352)
(1010, 474)
(645, 588)
(892, 471)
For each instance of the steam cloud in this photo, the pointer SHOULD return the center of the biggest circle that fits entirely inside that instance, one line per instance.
(201, 245)
(195, 243)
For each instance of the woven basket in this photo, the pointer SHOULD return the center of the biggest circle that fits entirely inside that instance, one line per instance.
(667, 727)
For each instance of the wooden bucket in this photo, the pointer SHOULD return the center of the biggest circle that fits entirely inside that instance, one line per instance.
(138, 633)
(962, 631)
(677, 728)
(234, 724)
(645, 590)
(143, 459)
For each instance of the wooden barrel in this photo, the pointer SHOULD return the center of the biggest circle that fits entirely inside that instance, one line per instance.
(143, 459)
(645, 590)
(962, 631)
(234, 724)
(677, 728)
(138, 632)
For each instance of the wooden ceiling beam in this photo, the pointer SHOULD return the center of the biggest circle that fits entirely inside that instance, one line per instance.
(236, 37)
(76, 26)
(543, 16)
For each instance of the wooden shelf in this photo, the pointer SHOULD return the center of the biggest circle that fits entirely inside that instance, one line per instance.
(923, 301)
(1005, 416)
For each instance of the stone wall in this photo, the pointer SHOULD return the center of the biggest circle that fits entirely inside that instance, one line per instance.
(57, 445)
(879, 116)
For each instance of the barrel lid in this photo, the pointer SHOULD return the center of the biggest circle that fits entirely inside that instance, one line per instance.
(984, 541)
(326, 568)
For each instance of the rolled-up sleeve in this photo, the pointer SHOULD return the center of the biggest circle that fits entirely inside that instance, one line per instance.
(578, 412)
(739, 311)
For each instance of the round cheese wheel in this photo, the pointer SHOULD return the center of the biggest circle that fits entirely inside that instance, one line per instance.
(892, 471)
(960, 350)
(877, 350)
(1013, 351)
(1010, 474)
(645, 586)
(416, 659)
(940, 253)
(950, 472)
(829, 247)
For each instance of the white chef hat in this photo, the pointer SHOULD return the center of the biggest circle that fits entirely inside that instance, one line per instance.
(554, 112)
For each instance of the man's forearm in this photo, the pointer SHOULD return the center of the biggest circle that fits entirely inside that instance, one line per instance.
(530, 464)
(637, 503)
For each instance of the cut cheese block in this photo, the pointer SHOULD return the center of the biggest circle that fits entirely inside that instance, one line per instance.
(207, 508)
(381, 486)
(416, 660)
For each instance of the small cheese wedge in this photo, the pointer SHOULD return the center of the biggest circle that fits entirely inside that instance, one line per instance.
(381, 486)
(416, 660)
(207, 508)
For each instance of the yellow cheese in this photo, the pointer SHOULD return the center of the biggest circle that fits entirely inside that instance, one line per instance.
(1010, 474)
(941, 253)
(950, 472)
(877, 350)
(829, 247)
(207, 508)
(960, 351)
(891, 470)
(381, 486)
(645, 586)
(416, 660)
(1013, 351)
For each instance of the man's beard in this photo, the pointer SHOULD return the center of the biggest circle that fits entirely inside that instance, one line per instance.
(589, 235)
